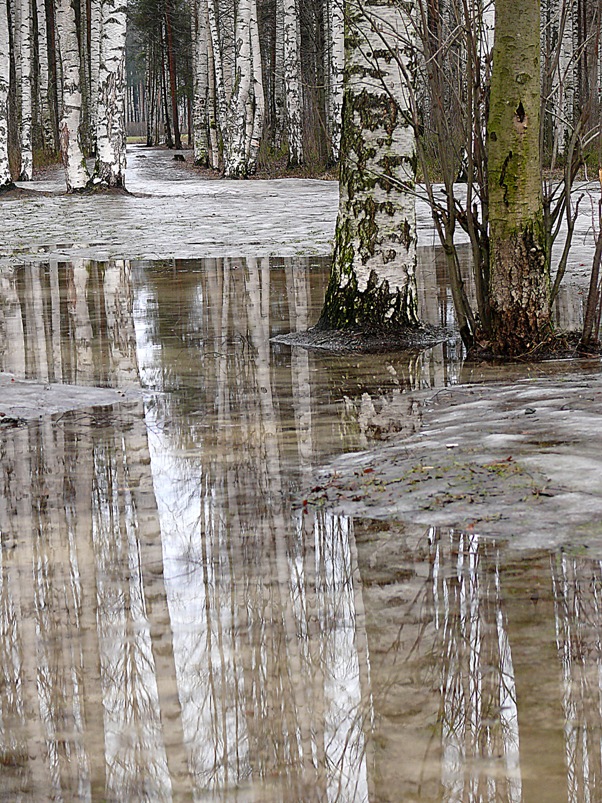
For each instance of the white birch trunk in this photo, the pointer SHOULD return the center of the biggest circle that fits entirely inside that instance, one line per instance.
(110, 126)
(279, 102)
(336, 30)
(200, 68)
(76, 173)
(236, 163)
(292, 83)
(24, 54)
(95, 32)
(214, 152)
(46, 115)
(221, 105)
(258, 92)
(6, 180)
(372, 280)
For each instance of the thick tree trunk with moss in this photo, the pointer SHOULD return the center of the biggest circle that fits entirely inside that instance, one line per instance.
(372, 283)
(520, 279)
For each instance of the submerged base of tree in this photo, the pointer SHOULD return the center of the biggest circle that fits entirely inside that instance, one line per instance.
(364, 341)
(558, 346)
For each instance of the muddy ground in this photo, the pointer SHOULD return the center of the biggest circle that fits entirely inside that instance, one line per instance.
(522, 460)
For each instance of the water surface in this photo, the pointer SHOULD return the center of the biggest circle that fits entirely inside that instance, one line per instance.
(176, 625)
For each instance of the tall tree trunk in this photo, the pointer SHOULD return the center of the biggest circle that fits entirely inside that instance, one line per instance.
(24, 56)
(212, 117)
(258, 92)
(46, 115)
(292, 83)
(76, 173)
(173, 85)
(200, 67)
(336, 50)
(6, 180)
(165, 104)
(519, 270)
(221, 103)
(372, 282)
(110, 130)
(95, 39)
(236, 152)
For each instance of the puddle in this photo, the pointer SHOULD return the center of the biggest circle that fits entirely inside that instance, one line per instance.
(175, 624)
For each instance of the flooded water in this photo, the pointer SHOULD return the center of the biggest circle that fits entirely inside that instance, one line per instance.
(175, 624)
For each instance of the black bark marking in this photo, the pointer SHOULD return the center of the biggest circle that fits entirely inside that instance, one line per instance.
(503, 177)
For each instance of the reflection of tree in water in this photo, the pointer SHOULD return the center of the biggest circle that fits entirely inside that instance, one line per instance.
(75, 616)
(478, 713)
(577, 587)
(262, 598)
(68, 322)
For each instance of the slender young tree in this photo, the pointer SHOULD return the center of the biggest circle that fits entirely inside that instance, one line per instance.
(519, 262)
(336, 65)
(200, 69)
(372, 282)
(6, 180)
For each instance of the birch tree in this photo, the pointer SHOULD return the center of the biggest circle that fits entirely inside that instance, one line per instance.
(236, 153)
(336, 65)
(372, 282)
(200, 67)
(48, 134)
(76, 173)
(292, 82)
(23, 60)
(6, 180)
(110, 131)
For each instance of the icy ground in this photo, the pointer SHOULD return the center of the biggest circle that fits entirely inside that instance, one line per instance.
(520, 460)
(173, 212)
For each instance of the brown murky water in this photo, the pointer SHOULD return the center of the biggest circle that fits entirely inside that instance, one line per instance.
(175, 626)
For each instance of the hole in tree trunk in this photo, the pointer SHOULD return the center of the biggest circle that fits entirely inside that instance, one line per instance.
(520, 112)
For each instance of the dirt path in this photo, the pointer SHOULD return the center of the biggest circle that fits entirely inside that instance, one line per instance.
(171, 213)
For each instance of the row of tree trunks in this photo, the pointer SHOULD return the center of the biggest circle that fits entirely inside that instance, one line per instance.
(67, 62)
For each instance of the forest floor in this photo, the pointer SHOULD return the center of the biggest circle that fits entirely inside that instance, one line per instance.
(521, 456)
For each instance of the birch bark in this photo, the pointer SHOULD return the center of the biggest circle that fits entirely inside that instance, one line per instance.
(6, 181)
(46, 115)
(95, 36)
(110, 130)
(292, 82)
(76, 173)
(236, 162)
(221, 103)
(372, 282)
(201, 84)
(336, 31)
(258, 91)
(24, 55)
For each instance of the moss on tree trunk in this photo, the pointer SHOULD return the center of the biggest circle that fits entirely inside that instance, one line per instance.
(520, 278)
(372, 284)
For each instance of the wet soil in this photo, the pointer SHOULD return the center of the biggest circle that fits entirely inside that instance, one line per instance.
(521, 460)
(360, 341)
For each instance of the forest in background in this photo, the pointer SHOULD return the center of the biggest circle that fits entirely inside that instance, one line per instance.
(259, 82)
